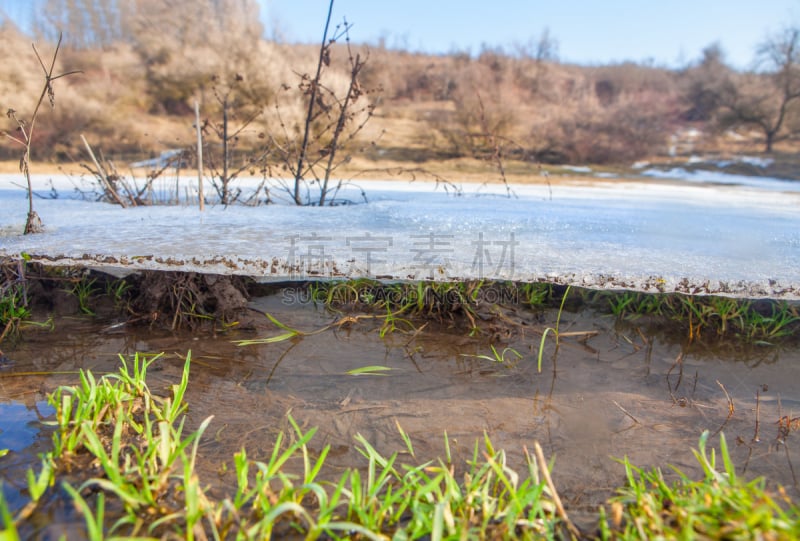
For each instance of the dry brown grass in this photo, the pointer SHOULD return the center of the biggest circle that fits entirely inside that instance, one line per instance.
(438, 112)
(9, 167)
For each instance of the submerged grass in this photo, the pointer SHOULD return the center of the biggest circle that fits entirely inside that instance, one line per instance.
(418, 299)
(763, 322)
(696, 317)
(492, 309)
(15, 310)
(145, 484)
(181, 300)
(554, 330)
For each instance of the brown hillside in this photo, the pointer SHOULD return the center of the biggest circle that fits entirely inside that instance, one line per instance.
(426, 108)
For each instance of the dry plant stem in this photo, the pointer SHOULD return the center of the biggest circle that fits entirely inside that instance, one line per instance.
(33, 224)
(626, 412)
(226, 155)
(585, 335)
(6, 330)
(352, 94)
(756, 437)
(497, 154)
(791, 466)
(679, 363)
(310, 115)
(556, 499)
(731, 409)
(199, 155)
(225, 177)
(103, 175)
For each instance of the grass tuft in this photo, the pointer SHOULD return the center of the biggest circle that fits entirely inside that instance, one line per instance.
(719, 506)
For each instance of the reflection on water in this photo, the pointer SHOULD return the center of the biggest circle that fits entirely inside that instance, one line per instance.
(22, 435)
(21, 424)
(617, 393)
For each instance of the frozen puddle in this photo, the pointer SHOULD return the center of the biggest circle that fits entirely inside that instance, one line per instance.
(649, 236)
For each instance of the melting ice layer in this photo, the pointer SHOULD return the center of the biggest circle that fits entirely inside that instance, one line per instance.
(651, 236)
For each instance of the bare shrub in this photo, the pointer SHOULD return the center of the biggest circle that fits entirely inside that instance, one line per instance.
(229, 130)
(587, 128)
(23, 135)
(702, 83)
(480, 109)
(314, 148)
(633, 128)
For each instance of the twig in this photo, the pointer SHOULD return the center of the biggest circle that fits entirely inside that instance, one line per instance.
(199, 155)
(311, 101)
(731, 409)
(584, 334)
(791, 466)
(103, 176)
(756, 438)
(678, 362)
(626, 412)
(497, 151)
(353, 93)
(412, 172)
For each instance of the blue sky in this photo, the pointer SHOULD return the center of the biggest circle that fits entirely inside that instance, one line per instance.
(667, 32)
(671, 32)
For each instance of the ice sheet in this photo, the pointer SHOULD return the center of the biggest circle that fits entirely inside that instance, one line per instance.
(651, 236)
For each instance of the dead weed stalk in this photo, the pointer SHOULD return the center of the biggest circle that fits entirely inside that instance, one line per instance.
(25, 131)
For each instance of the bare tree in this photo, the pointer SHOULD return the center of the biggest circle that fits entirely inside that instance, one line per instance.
(546, 47)
(86, 23)
(781, 55)
(703, 83)
(541, 50)
(764, 99)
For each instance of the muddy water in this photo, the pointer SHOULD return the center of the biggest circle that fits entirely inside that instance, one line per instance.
(613, 394)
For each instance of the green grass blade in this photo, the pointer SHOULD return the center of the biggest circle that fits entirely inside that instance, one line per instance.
(9, 528)
(271, 340)
(374, 370)
(406, 438)
(541, 346)
(281, 325)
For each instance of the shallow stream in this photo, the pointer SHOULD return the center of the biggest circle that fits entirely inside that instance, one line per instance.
(619, 392)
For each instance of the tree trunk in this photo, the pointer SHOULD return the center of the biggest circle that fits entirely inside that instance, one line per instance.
(769, 141)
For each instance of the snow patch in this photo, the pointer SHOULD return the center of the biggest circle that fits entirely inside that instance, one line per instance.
(719, 177)
(578, 168)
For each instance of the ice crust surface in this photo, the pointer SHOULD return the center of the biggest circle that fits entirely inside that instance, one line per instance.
(692, 237)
